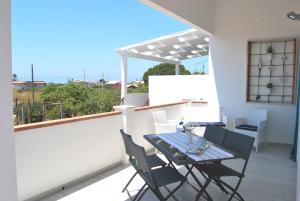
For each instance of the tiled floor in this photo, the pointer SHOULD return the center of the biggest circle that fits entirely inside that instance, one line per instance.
(270, 176)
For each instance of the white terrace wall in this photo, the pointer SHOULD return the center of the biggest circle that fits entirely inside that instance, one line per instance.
(140, 122)
(50, 157)
(236, 22)
(136, 99)
(174, 88)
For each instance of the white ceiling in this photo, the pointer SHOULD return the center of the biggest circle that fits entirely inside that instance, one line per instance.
(171, 48)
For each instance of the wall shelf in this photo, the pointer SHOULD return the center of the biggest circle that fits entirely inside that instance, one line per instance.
(277, 68)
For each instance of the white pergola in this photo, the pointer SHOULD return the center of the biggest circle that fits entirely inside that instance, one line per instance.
(171, 49)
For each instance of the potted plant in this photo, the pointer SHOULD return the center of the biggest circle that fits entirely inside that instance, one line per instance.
(257, 97)
(270, 52)
(269, 87)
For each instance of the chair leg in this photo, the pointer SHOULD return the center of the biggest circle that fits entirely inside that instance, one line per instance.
(218, 183)
(130, 180)
(234, 190)
(206, 195)
(137, 195)
(171, 193)
(142, 194)
(158, 195)
(203, 189)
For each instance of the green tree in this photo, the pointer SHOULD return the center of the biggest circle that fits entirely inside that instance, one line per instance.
(199, 73)
(164, 69)
(79, 99)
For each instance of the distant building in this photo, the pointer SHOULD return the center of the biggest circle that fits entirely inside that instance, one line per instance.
(135, 84)
(26, 85)
(115, 84)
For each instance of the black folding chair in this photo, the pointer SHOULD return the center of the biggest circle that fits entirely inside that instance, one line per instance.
(156, 178)
(153, 160)
(241, 145)
(215, 134)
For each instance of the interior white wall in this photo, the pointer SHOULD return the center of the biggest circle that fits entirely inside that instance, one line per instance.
(236, 22)
(8, 186)
(197, 13)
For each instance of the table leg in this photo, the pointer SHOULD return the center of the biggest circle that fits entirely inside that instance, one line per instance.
(207, 197)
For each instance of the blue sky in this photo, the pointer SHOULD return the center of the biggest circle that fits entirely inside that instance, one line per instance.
(63, 37)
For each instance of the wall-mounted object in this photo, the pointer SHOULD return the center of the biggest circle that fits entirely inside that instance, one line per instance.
(293, 16)
(272, 71)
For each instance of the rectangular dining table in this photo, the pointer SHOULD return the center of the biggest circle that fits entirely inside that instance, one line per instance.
(174, 147)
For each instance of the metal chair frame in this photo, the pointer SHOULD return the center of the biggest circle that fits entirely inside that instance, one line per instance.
(242, 146)
(127, 139)
(146, 173)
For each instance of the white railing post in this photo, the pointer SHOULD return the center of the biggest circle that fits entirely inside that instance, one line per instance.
(177, 70)
(8, 181)
(126, 110)
(124, 70)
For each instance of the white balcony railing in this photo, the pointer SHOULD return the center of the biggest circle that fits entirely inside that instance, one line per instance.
(52, 154)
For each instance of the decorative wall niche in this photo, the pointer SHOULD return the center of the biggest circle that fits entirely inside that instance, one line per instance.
(272, 71)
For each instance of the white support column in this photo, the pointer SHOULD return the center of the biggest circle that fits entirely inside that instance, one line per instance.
(124, 70)
(8, 181)
(177, 71)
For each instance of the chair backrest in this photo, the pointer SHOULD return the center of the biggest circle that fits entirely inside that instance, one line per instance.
(127, 139)
(256, 115)
(141, 158)
(143, 166)
(239, 143)
(215, 134)
(160, 117)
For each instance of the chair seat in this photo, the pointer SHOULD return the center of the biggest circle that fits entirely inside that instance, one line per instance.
(217, 124)
(217, 170)
(247, 127)
(155, 161)
(204, 124)
(164, 176)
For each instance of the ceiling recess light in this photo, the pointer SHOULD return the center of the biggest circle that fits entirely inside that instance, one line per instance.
(169, 57)
(206, 39)
(150, 47)
(195, 51)
(148, 53)
(134, 51)
(294, 16)
(187, 38)
(200, 46)
(181, 45)
(155, 46)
